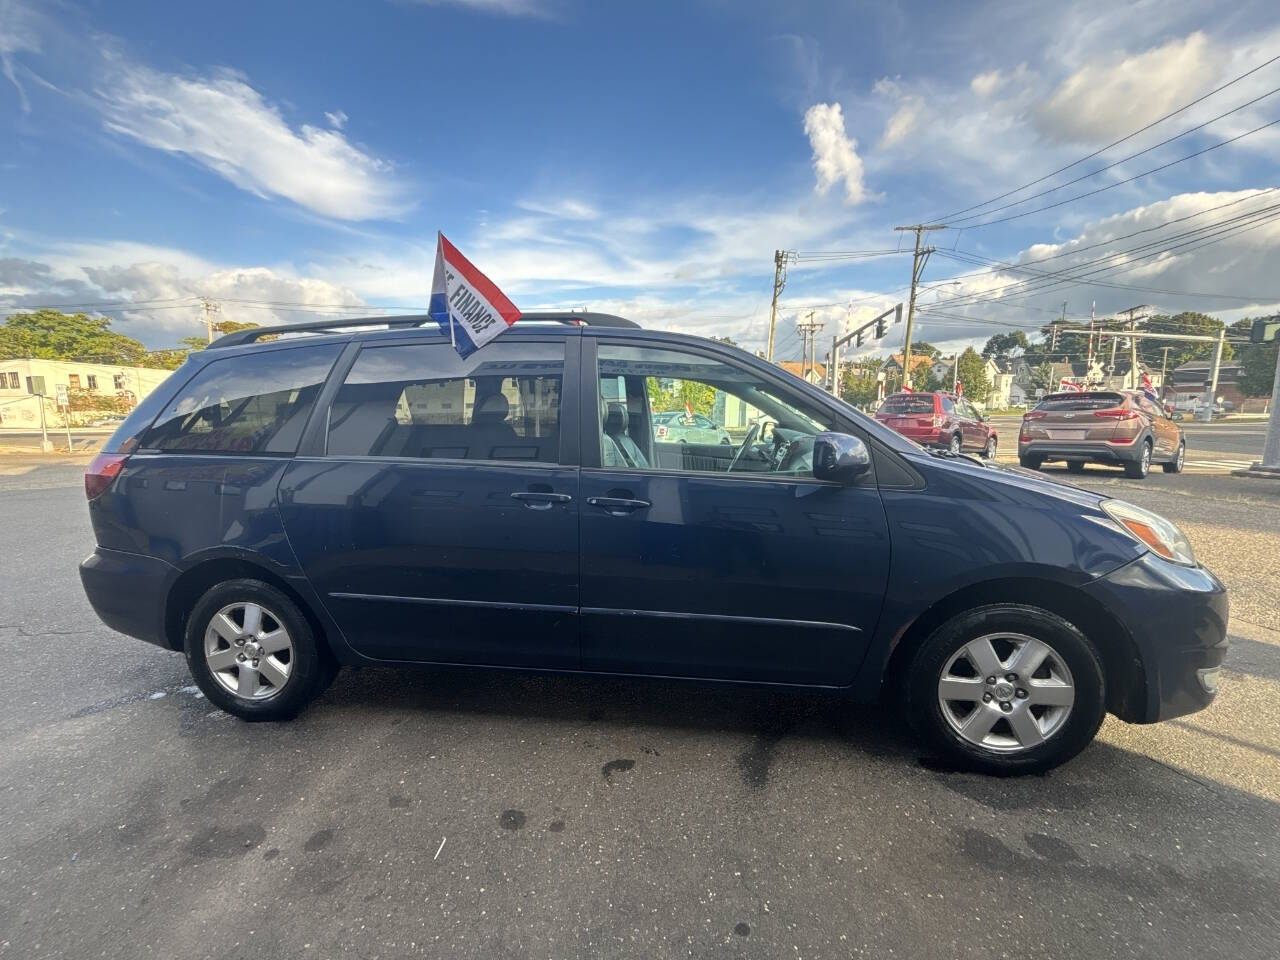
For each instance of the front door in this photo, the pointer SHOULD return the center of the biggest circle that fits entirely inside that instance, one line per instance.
(719, 560)
(441, 522)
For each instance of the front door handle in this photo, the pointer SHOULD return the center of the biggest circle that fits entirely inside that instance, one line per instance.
(618, 506)
(540, 500)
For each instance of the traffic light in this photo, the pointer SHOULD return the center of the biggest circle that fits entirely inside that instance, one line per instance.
(1265, 330)
(858, 338)
(881, 328)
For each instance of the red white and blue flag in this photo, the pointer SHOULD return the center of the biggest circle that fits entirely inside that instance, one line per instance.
(466, 303)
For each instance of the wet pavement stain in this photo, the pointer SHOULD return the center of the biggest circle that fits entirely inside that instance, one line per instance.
(616, 766)
(318, 840)
(511, 819)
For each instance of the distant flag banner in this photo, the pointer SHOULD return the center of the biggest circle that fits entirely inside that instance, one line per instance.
(1069, 386)
(1148, 389)
(466, 303)
(959, 389)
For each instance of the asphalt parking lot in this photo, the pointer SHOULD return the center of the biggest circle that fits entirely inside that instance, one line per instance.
(472, 814)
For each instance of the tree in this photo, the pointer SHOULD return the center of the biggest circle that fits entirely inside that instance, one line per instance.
(1151, 351)
(1003, 344)
(52, 335)
(922, 348)
(677, 394)
(1258, 369)
(973, 375)
(729, 340)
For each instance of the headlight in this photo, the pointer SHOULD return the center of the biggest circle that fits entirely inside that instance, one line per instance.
(1151, 530)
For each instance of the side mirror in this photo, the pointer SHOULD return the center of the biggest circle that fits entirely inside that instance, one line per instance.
(839, 457)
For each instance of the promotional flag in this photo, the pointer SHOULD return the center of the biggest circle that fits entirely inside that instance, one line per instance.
(1148, 389)
(906, 388)
(959, 389)
(1069, 386)
(466, 303)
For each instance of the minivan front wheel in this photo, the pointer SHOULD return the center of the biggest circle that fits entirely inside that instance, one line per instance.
(253, 653)
(1007, 689)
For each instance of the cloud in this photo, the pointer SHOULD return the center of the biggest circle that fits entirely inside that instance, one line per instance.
(835, 154)
(906, 118)
(18, 34)
(337, 119)
(511, 8)
(1105, 99)
(151, 291)
(985, 84)
(225, 125)
(1231, 276)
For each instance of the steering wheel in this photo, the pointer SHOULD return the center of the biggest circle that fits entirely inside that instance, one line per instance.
(746, 442)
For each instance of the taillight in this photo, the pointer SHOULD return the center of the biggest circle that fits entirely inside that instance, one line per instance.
(104, 469)
(1034, 415)
(939, 419)
(1117, 413)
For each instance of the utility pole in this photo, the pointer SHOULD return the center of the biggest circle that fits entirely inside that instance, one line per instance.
(211, 307)
(1133, 344)
(1206, 411)
(1164, 366)
(808, 330)
(918, 261)
(780, 258)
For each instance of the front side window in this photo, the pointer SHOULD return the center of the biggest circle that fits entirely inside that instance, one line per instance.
(423, 401)
(251, 403)
(670, 410)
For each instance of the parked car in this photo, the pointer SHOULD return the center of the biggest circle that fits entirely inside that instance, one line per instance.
(277, 509)
(940, 420)
(1122, 428)
(682, 427)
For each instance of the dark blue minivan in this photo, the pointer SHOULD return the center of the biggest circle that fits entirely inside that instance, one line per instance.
(297, 498)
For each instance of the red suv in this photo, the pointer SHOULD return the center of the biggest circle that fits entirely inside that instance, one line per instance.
(939, 420)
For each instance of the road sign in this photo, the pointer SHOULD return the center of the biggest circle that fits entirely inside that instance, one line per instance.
(63, 400)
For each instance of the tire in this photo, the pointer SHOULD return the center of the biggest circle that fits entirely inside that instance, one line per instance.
(1175, 465)
(287, 679)
(955, 445)
(1138, 469)
(1031, 463)
(1075, 466)
(989, 452)
(1072, 669)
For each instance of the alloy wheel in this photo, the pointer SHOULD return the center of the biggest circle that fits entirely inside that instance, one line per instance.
(1006, 692)
(1146, 458)
(248, 650)
(954, 446)
(991, 448)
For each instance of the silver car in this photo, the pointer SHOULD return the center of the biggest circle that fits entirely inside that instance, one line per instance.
(679, 426)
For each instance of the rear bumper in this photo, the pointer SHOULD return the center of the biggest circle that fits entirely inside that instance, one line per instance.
(1096, 451)
(1177, 618)
(127, 591)
(926, 437)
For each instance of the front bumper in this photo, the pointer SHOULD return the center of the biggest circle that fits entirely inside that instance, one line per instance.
(1094, 451)
(1177, 618)
(127, 591)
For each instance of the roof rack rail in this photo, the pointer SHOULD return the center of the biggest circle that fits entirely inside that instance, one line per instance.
(254, 334)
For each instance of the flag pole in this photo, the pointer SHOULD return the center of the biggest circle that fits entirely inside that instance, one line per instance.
(453, 337)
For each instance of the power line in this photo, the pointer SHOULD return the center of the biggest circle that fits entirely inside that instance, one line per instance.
(1114, 143)
(1121, 183)
(1219, 229)
(1116, 163)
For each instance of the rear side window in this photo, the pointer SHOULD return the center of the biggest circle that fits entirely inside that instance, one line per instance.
(423, 401)
(908, 404)
(251, 403)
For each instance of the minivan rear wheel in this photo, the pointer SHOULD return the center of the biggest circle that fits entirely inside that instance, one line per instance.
(1006, 689)
(253, 653)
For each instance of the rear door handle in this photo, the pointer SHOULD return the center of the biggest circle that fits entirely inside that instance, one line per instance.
(540, 500)
(618, 506)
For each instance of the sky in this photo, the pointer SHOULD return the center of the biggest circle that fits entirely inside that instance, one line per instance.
(640, 159)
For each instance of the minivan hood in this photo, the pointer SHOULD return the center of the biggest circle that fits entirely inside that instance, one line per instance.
(1008, 474)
